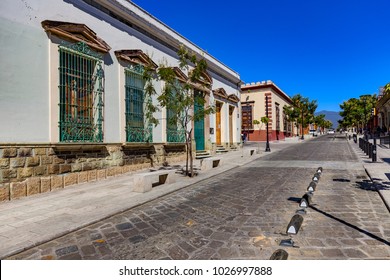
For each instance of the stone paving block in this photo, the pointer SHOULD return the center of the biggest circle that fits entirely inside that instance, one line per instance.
(88, 250)
(8, 174)
(354, 254)
(136, 239)
(33, 186)
(101, 174)
(53, 169)
(118, 170)
(4, 162)
(57, 160)
(65, 168)
(25, 172)
(18, 190)
(76, 167)
(70, 179)
(176, 253)
(66, 250)
(24, 152)
(92, 175)
(5, 192)
(110, 172)
(32, 161)
(124, 226)
(83, 177)
(40, 171)
(40, 151)
(8, 152)
(57, 182)
(45, 160)
(45, 184)
(87, 166)
(17, 162)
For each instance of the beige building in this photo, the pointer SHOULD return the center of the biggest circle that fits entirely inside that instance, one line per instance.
(254, 98)
(382, 118)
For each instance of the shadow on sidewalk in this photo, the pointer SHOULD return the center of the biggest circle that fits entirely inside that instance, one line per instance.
(351, 226)
(368, 185)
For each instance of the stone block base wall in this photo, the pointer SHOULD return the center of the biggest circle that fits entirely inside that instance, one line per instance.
(31, 169)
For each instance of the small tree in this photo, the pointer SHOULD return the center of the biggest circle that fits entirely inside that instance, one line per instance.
(257, 123)
(179, 97)
(264, 120)
(291, 114)
(304, 109)
(356, 112)
(319, 121)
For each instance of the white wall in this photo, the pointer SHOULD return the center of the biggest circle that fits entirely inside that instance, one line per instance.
(24, 110)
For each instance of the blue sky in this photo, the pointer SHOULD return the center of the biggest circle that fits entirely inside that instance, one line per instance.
(327, 50)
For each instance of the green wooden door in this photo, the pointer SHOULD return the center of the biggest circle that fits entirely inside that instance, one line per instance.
(199, 130)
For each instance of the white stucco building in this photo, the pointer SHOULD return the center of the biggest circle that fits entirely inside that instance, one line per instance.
(72, 93)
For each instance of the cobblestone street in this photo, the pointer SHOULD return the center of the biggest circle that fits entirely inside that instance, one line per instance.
(243, 214)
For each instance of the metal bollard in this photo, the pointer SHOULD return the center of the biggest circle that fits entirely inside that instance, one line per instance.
(369, 150)
(374, 151)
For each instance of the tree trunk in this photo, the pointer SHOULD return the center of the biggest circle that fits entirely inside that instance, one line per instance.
(191, 161)
(188, 144)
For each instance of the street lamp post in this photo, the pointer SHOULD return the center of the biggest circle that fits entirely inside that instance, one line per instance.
(302, 137)
(267, 148)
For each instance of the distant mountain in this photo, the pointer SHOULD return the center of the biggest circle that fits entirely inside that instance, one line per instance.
(331, 116)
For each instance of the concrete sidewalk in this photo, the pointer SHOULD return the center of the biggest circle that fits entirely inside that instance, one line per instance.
(34, 220)
(379, 171)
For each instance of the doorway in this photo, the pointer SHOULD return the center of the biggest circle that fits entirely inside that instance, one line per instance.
(218, 123)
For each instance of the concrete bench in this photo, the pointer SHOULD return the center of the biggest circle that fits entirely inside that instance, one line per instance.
(210, 163)
(144, 182)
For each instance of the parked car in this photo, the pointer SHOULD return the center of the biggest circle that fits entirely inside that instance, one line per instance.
(331, 131)
(313, 132)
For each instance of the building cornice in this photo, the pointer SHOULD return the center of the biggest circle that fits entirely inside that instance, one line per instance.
(76, 32)
(137, 57)
(264, 85)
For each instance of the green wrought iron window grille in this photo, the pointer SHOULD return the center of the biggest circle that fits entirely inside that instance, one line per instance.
(174, 133)
(136, 128)
(81, 92)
